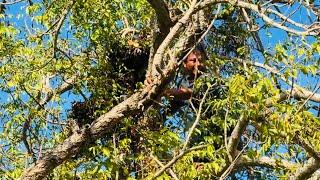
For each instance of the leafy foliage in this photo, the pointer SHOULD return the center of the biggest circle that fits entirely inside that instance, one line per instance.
(64, 64)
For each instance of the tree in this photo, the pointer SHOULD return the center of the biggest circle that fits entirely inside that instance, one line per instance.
(74, 103)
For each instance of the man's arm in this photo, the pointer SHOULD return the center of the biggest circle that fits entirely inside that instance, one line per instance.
(179, 94)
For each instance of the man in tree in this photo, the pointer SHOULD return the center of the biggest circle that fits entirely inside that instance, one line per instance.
(193, 65)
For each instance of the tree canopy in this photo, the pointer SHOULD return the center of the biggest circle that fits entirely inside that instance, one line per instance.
(76, 101)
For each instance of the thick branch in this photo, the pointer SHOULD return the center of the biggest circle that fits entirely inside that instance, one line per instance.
(315, 176)
(53, 158)
(163, 15)
(260, 11)
(245, 161)
(236, 135)
(72, 145)
(300, 93)
(307, 147)
(158, 58)
(307, 170)
(159, 55)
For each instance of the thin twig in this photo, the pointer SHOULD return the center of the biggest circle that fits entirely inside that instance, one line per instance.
(197, 119)
(305, 101)
(59, 25)
(233, 163)
(174, 176)
(175, 159)
(225, 135)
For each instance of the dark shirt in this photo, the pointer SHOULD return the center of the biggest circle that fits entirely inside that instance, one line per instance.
(183, 79)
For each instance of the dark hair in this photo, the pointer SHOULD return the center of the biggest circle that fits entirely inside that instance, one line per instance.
(197, 52)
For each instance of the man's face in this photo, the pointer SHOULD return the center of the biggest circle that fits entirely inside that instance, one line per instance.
(193, 63)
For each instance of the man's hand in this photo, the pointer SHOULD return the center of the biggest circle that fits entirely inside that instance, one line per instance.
(178, 94)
